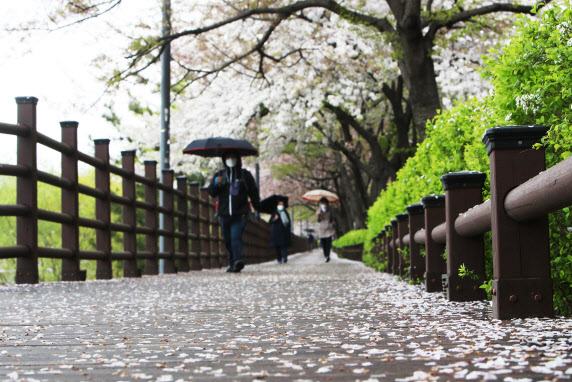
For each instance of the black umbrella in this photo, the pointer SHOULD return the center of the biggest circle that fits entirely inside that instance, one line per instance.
(268, 205)
(217, 146)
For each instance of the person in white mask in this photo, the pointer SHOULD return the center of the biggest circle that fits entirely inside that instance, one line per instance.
(280, 236)
(326, 229)
(234, 186)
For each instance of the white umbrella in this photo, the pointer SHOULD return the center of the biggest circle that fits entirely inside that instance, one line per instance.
(315, 196)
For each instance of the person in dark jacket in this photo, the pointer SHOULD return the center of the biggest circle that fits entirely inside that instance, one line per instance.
(326, 229)
(233, 186)
(280, 234)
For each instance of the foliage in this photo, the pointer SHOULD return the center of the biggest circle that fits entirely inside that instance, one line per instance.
(533, 85)
(532, 77)
(351, 238)
(453, 144)
(465, 272)
(49, 234)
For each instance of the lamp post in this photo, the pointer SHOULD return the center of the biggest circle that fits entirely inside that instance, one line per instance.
(165, 112)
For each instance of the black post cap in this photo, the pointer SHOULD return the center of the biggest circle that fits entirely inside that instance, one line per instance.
(393, 222)
(68, 124)
(103, 141)
(433, 201)
(26, 100)
(402, 217)
(128, 153)
(463, 179)
(150, 163)
(388, 227)
(415, 209)
(513, 137)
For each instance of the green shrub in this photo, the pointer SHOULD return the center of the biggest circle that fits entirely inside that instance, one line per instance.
(352, 237)
(532, 77)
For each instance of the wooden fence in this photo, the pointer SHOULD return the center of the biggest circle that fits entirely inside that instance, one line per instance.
(351, 252)
(522, 195)
(191, 233)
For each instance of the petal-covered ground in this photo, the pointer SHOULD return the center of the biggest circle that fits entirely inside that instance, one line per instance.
(302, 321)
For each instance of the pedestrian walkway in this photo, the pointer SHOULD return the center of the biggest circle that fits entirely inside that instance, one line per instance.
(302, 321)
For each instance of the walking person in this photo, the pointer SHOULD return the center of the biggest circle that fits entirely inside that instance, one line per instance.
(326, 229)
(280, 236)
(234, 186)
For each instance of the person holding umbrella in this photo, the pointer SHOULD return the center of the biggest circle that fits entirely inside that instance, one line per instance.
(326, 229)
(280, 237)
(233, 186)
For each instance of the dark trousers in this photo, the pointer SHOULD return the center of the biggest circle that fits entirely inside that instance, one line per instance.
(281, 253)
(326, 243)
(232, 228)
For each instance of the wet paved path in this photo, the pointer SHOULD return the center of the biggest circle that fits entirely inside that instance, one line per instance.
(303, 321)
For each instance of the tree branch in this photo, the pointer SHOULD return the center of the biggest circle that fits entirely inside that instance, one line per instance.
(381, 24)
(467, 15)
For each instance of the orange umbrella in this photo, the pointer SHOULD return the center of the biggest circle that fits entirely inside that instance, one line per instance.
(315, 196)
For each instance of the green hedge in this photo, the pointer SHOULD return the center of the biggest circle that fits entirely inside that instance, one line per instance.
(351, 238)
(532, 77)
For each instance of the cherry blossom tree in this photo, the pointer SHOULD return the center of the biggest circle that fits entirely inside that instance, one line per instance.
(360, 79)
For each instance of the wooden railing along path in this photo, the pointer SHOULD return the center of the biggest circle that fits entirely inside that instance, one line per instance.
(522, 195)
(191, 234)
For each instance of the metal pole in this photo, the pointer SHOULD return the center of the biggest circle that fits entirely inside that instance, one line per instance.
(165, 113)
(257, 173)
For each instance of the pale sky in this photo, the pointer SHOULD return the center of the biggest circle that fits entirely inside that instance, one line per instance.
(55, 67)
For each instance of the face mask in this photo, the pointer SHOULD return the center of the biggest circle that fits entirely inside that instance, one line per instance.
(231, 162)
(323, 207)
(280, 208)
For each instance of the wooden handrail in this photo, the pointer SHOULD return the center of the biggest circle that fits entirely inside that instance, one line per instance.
(419, 236)
(529, 200)
(8, 128)
(474, 221)
(439, 233)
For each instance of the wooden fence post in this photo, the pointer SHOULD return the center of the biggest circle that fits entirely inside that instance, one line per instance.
(103, 211)
(70, 204)
(27, 192)
(169, 222)
(214, 236)
(151, 265)
(206, 260)
(402, 230)
(416, 261)
(382, 254)
(463, 190)
(195, 227)
(435, 265)
(388, 249)
(522, 285)
(129, 215)
(183, 223)
(222, 258)
(394, 245)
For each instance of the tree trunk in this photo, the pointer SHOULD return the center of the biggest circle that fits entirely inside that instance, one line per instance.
(419, 75)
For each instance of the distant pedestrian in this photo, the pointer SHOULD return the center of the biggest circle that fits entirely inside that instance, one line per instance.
(310, 239)
(234, 186)
(326, 229)
(280, 236)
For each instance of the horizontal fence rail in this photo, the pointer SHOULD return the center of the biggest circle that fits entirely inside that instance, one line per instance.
(191, 232)
(523, 193)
